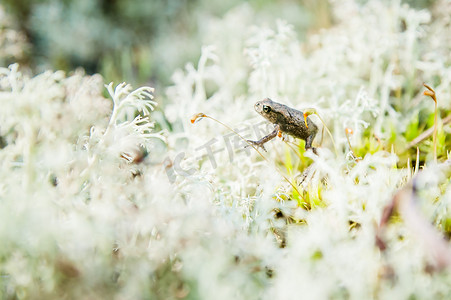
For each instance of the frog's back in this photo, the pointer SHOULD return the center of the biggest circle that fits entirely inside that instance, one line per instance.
(294, 124)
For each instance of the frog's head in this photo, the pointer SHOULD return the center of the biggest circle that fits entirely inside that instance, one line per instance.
(267, 108)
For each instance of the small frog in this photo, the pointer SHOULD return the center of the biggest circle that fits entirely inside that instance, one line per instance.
(286, 119)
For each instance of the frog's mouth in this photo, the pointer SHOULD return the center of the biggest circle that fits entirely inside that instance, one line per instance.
(258, 107)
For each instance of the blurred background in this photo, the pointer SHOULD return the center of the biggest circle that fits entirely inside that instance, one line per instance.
(137, 41)
(79, 221)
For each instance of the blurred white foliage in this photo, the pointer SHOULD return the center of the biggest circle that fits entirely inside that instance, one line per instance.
(79, 219)
(348, 73)
(13, 42)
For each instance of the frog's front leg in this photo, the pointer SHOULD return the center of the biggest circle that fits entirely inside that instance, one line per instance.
(265, 139)
(309, 141)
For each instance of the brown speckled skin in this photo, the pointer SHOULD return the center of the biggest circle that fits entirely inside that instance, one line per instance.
(287, 120)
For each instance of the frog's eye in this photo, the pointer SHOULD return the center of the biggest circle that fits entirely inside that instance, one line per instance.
(266, 108)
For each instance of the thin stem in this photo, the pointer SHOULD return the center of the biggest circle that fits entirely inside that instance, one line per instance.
(348, 131)
(292, 148)
(313, 111)
(431, 93)
(434, 136)
(426, 134)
